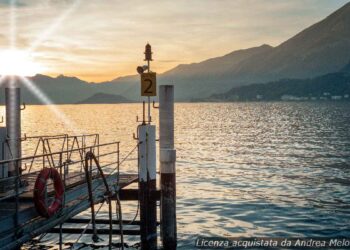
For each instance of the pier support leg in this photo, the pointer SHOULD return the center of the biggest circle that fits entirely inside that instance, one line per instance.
(3, 167)
(13, 125)
(167, 167)
(147, 186)
(13, 128)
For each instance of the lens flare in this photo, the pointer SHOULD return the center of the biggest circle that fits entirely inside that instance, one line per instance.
(54, 26)
(18, 63)
(46, 100)
(13, 24)
(14, 62)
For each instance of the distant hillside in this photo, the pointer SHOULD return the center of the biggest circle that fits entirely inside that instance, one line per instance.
(197, 79)
(100, 98)
(215, 67)
(318, 50)
(60, 90)
(333, 86)
(71, 90)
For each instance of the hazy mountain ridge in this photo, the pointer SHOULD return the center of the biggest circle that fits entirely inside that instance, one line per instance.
(71, 90)
(219, 65)
(318, 50)
(332, 86)
(102, 98)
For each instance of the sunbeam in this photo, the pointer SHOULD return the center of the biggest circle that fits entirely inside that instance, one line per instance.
(53, 26)
(45, 99)
(13, 25)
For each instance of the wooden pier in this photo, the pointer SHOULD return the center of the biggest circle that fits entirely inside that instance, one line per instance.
(19, 219)
(43, 190)
(76, 202)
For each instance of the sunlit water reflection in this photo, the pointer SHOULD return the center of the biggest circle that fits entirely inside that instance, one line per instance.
(243, 169)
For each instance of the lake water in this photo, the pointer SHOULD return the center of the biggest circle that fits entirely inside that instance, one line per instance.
(243, 169)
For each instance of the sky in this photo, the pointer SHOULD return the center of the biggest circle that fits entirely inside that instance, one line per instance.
(100, 40)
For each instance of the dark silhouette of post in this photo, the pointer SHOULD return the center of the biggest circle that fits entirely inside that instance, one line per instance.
(167, 156)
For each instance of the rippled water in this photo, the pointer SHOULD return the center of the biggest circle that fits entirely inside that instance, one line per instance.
(243, 169)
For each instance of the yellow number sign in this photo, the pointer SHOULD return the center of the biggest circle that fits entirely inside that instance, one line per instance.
(148, 84)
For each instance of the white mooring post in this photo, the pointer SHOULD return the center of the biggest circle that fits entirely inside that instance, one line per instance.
(147, 186)
(13, 125)
(167, 156)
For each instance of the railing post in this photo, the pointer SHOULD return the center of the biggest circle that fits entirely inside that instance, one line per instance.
(147, 186)
(167, 156)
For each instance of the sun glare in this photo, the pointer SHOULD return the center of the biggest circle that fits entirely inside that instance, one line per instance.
(18, 63)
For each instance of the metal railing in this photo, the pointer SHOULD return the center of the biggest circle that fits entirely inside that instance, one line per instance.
(68, 160)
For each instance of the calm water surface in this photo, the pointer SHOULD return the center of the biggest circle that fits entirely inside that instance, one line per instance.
(243, 169)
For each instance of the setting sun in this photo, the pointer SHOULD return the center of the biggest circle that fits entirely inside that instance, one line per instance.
(19, 63)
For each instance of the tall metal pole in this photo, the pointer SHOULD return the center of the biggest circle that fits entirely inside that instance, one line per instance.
(148, 58)
(13, 125)
(167, 157)
(147, 175)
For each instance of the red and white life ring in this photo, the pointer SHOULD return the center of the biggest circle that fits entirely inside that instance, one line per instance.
(40, 196)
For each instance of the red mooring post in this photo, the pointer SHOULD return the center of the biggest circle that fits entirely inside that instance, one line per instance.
(167, 156)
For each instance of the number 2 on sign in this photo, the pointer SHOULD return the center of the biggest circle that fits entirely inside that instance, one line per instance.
(148, 89)
(148, 84)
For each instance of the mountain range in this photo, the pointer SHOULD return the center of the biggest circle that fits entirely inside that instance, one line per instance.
(333, 86)
(318, 50)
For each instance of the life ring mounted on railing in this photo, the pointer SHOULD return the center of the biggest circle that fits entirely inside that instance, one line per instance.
(40, 201)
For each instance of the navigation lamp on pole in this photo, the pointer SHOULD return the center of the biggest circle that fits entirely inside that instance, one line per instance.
(148, 52)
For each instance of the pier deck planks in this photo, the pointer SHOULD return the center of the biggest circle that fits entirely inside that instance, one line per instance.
(77, 201)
